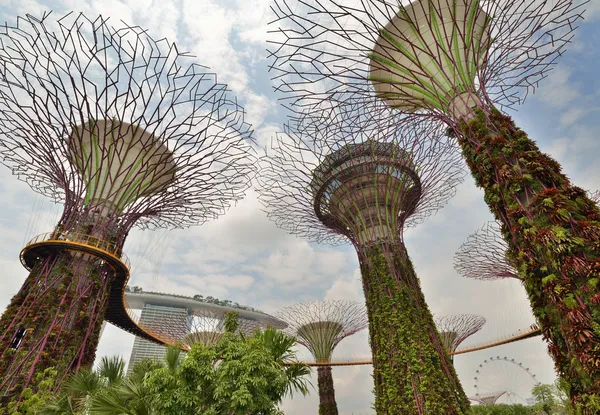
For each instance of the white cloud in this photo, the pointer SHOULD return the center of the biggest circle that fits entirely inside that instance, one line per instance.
(244, 257)
(559, 89)
(572, 115)
(592, 10)
(347, 288)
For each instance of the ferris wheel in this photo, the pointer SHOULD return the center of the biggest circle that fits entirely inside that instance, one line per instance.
(503, 380)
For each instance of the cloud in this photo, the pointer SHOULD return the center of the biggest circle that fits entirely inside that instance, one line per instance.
(592, 9)
(347, 288)
(559, 89)
(244, 257)
(572, 115)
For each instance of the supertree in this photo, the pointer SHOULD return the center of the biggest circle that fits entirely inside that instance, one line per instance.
(483, 255)
(109, 122)
(366, 184)
(455, 329)
(489, 399)
(320, 327)
(458, 61)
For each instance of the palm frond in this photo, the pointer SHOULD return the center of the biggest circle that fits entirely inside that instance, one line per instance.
(142, 367)
(172, 358)
(112, 368)
(61, 405)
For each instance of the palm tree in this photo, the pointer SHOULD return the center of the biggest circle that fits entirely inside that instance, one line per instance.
(280, 345)
(129, 396)
(107, 391)
(80, 389)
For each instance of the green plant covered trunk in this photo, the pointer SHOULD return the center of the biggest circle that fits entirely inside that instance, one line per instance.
(327, 405)
(553, 232)
(53, 323)
(412, 372)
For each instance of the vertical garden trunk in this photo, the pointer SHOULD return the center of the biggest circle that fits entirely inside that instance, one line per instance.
(413, 374)
(53, 323)
(327, 405)
(553, 232)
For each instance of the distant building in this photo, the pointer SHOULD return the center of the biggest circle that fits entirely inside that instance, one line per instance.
(158, 316)
(174, 317)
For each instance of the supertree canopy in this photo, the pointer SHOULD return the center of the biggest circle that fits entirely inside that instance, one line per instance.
(365, 184)
(111, 123)
(455, 329)
(483, 255)
(432, 57)
(458, 61)
(489, 399)
(207, 327)
(320, 327)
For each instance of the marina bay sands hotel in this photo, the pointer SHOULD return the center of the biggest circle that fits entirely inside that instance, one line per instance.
(180, 316)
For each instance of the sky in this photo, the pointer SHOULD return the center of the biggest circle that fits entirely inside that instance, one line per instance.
(244, 257)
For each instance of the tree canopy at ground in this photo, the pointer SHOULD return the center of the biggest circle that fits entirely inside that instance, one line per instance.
(502, 410)
(236, 376)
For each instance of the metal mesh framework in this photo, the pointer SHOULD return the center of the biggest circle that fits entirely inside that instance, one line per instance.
(332, 182)
(320, 326)
(455, 329)
(433, 55)
(489, 399)
(58, 87)
(204, 326)
(110, 122)
(455, 61)
(361, 181)
(483, 255)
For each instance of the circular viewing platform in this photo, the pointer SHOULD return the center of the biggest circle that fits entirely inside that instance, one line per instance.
(50, 243)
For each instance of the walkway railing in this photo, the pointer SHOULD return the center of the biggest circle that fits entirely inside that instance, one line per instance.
(518, 335)
(83, 240)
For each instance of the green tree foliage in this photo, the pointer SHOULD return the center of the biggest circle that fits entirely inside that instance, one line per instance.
(545, 398)
(80, 390)
(237, 375)
(502, 410)
(553, 399)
